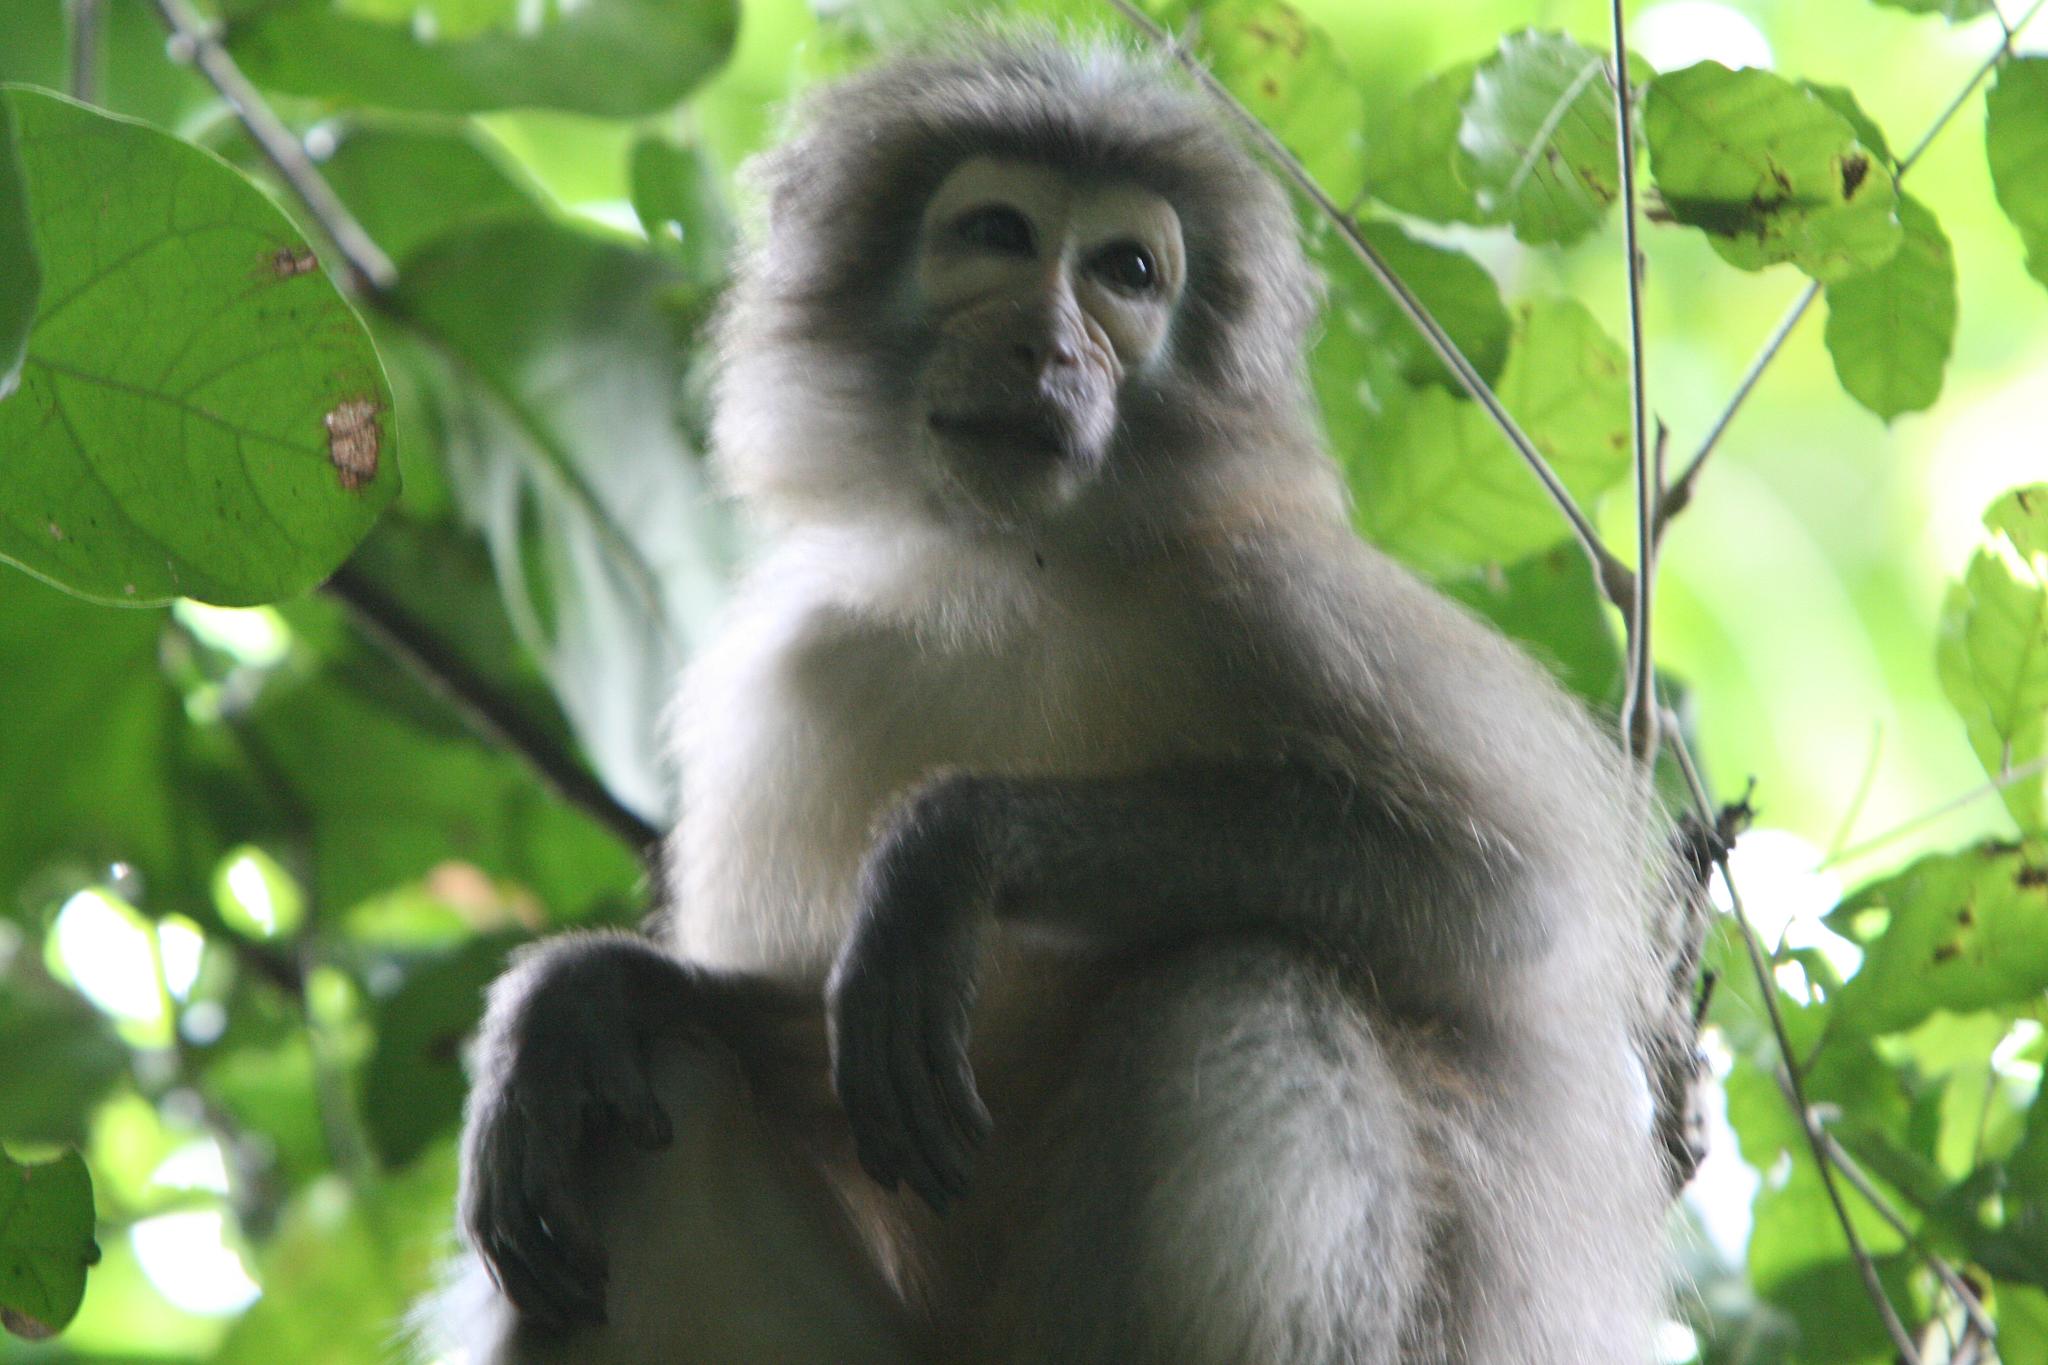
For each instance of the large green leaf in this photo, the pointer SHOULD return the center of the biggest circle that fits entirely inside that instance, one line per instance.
(77, 1057)
(1993, 654)
(1548, 604)
(1442, 489)
(617, 58)
(1769, 172)
(1537, 139)
(46, 1245)
(21, 274)
(1412, 157)
(1890, 329)
(556, 380)
(1966, 930)
(1455, 288)
(201, 413)
(2016, 145)
(1289, 74)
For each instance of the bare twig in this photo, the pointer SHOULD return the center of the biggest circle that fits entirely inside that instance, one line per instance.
(1681, 490)
(1943, 1271)
(1614, 577)
(1639, 708)
(492, 716)
(2031, 768)
(88, 25)
(1789, 1076)
(193, 40)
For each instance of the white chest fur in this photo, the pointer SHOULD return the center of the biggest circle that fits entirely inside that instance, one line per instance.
(836, 691)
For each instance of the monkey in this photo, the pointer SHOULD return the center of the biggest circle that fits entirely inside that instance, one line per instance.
(1118, 914)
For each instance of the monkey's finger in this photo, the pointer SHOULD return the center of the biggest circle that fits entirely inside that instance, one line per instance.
(859, 1077)
(953, 1071)
(938, 1168)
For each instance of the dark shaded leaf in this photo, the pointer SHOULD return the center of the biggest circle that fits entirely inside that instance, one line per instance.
(46, 1245)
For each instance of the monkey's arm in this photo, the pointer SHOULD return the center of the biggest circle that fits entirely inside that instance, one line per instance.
(1394, 884)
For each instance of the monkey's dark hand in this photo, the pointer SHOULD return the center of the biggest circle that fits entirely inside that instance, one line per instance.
(561, 1063)
(900, 998)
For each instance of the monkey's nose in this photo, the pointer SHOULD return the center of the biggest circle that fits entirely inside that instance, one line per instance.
(1036, 357)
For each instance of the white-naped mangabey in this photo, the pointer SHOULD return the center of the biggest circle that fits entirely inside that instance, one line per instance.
(1119, 917)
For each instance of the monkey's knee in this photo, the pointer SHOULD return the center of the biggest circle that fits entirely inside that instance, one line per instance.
(724, 1247)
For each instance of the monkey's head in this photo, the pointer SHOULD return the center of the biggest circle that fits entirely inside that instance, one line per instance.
(1026, 288)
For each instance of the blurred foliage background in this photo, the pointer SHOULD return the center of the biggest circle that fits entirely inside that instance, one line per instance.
(265, 840)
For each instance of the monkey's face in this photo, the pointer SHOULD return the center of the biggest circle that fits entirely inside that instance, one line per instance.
(1041, 296)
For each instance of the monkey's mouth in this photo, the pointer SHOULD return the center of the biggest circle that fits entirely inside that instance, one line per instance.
(1018, 432)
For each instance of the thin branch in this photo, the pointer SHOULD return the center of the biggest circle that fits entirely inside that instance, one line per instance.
(1789, 1076)
(2031, 768)
(1639, 709)
(192, 39)
(1681, 491)
(88, 25)
(1943, 1271)
(1616, 582)
(492, 716)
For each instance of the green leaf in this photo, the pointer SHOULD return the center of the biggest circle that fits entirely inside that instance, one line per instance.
(1955, 11)
(1993, 652)
(1549, 605)
(556, 378)
(408, 181)
(1843, 101)
(1967, 930)
(1537, 140)
(96, 734)
(1455, 288)
(1890, 329)
(1411, 159)
(413, 1085)
(1769, 172)
(77, 1057)
(1288, 73)
(2016, 145)
(201, 413)
(46, 1245)
(615, 58)
(1442, 489)
(385, 800)
(21, 274)
(676, 198)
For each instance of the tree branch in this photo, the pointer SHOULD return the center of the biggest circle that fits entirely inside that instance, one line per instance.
(1615, 580)
(1639, 705)
(1943, 1271)
(1789, 1077)
(192, 39)
(1681, 490)
(492, 716)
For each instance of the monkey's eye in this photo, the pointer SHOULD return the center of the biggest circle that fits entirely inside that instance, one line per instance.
(995, 227)
(1126, 265)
